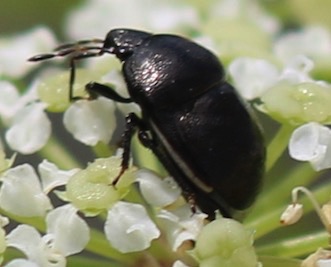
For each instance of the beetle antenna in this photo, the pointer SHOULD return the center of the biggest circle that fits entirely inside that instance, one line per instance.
(80, 49)
(79, 43)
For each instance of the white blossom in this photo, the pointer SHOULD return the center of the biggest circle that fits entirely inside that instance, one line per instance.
(312, 142)
(91, 121)
(66, 235)
(89, 20)
(51, 176)
(22, 263)
(180, 225)
(179, 264)
(30, 129)
(156, 191)
(252, 77)
(128, 227)
(21, 193)
(314, 42)
(15, 50)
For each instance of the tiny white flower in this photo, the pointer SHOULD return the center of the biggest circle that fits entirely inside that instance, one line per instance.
(181, 225)
(179, 264)
(67, 234)
(11, 101)
(21, 193)
(30, 129)
(51, 176)
(312, 142)
(14, 51)
(314, 42)
(128, 227)
(320, 258)
(252, 77)
(96, 18)
(292, 214)
(156, 191)
(297, 70)
(21, 263)
(167, 17)
(8, 98)
(91, 121)
(324, 263)
(251, 11)
(3, 245)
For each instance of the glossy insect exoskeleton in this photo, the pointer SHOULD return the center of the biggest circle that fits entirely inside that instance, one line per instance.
(192, 119)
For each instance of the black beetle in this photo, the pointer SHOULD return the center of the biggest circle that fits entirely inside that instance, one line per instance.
(192, 119)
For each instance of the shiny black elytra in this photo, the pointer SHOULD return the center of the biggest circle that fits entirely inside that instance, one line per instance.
(192, 119)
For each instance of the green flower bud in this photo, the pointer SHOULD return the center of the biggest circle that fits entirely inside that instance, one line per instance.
(91, 189)
(299, 103)
(54, 91)
(225, 242)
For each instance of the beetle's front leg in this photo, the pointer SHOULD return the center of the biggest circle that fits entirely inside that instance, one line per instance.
(96, 89)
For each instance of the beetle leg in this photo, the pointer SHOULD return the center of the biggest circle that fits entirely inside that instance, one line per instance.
(95, 89)
(133, 122)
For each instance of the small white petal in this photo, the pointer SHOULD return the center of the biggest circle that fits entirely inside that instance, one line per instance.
(8, 97)
(179, 264)
(297, 69)
(129, 228)
(30, 130)
(69, 232)
(15, 51)
(312, 142)
(181, 225)
(21, 193)
(51, 176)
(252, 77)
(27, 239)
(91, 121)
(156, 191)
(171, 17)
(314, 42)
(324, 263)
(21, 263)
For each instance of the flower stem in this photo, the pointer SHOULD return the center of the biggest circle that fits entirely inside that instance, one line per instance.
(271, 261)
(100, 246)
(279, 192)
(55, 152)
(269, 220)
(278, 145)
(296, 246)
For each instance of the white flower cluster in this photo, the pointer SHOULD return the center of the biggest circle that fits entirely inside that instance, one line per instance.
(290, 95)
(128, 226)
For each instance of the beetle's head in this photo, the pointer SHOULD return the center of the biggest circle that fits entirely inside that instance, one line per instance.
(122, 42)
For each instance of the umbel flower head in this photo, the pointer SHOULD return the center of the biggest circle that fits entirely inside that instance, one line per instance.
(64, 208)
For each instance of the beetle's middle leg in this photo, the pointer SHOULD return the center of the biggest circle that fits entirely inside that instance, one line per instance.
(133, 123)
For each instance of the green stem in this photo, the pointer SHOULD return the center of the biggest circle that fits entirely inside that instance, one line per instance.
(277, 194)
(100, 246)
(103, 150)
(79, 261)
(296, 246)
(278, 145)
(55, 152)
(269, 261)
(269, 221)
